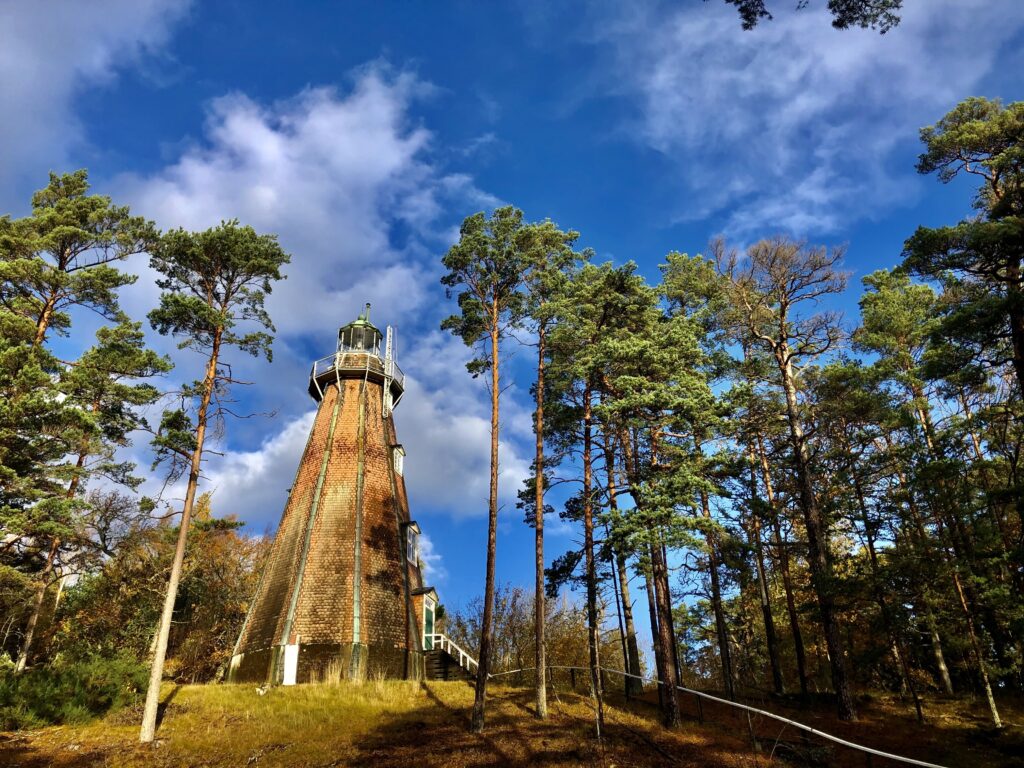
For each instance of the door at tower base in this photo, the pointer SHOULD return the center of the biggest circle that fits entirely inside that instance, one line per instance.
(291, 664)
(339, 596)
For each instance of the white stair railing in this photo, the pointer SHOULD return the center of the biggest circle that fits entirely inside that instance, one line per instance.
(444, 643)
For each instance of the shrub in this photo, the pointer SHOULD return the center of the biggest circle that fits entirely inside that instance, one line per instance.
(72, 692)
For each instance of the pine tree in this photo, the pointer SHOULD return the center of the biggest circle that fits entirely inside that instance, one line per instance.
(213, 282)
(696, 292)
(104, 386)
(549, 255)
(59, 260)
(486, 267)
(63, 255)
(979, 137)
(780, 278)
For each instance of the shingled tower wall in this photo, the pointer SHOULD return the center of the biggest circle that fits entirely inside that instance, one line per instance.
(342, 593)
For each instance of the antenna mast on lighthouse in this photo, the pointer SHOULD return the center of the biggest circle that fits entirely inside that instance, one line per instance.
(389, 370)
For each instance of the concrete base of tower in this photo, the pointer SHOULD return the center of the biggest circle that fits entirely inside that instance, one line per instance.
(325, 663)
(251, 667)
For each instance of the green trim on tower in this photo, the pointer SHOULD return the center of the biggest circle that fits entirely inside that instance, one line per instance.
(314, 505)
(357, 583)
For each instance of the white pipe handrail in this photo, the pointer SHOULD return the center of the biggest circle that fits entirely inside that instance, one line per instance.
(453, 650)
(755, 710)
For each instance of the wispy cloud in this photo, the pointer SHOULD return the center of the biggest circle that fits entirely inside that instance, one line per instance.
(48, 52)
(793, 126)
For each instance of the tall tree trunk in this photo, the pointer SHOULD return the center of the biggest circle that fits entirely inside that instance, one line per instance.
(483, 662)
(652, 613)
(591, 566)
(976, 649)
(927, 595)
(663, 605)
(38, 597)
(928, 604)
(659, 601)
(1006, 538)
(817, 542)
(148, 731)
(634, 686)
(1014, 285)
(676, 664)
(949, 526)
(612, 558)
(771, 641)
(721, 630)
(787, 579)
(667, 700)
(538, 554)
(959, 591)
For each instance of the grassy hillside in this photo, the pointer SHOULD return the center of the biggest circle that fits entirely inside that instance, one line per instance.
(384, 724)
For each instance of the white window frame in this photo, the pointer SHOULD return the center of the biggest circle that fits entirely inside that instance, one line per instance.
(412, 545)
(429, 604)
(398, 459)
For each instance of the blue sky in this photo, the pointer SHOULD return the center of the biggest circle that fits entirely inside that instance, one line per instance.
(363, 133)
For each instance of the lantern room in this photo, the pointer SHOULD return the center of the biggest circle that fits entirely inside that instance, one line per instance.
(360, 336)
(363, 353)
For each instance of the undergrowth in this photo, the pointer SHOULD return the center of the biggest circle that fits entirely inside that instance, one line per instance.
(68, 693)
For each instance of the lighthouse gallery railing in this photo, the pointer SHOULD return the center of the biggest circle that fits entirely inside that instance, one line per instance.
(356, 362)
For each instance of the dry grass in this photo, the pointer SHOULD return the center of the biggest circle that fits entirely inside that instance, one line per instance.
(387, 724)
(379, 723)
(957, 731)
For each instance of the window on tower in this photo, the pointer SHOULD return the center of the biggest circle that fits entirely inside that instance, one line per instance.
(398, 455)
(412, 553)
(411, 531)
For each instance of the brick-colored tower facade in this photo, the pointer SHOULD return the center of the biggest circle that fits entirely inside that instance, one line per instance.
(342, 593)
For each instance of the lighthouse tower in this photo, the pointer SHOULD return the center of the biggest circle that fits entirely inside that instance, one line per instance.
(342, 593)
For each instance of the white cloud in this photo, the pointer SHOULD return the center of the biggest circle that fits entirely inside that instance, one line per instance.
(254, 485)
(48, 52)
(792, 126)
(434, 572)
(334, 174)
(444, 424)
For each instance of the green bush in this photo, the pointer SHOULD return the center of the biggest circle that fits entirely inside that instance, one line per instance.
(72, 692)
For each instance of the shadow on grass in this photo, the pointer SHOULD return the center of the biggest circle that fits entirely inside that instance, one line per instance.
(161, 708)
(20, 752)
(437, 734)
